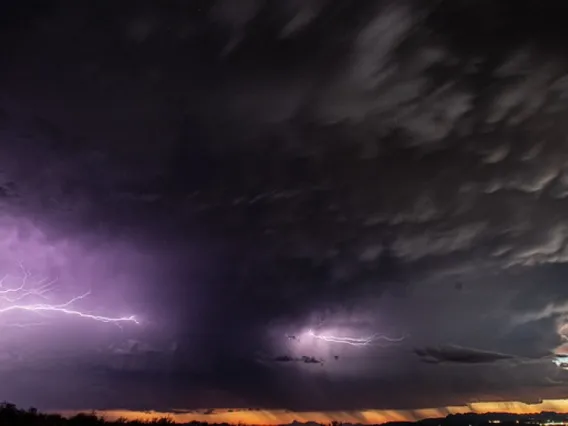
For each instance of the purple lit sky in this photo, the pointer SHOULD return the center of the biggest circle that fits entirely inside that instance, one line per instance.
(236, 176)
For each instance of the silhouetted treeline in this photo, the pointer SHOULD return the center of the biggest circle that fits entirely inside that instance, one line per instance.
(10, 415)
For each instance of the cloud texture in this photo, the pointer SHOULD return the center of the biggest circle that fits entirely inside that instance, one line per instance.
(355, 168)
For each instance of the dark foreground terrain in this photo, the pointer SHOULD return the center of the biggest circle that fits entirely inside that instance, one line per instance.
(14, 416)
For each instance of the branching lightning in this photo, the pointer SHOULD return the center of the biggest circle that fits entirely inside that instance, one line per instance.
(35, 297)
(355, 341)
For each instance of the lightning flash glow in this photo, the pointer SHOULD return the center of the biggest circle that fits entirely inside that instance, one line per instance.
(561, 361)
(27, 296)
(355, 341)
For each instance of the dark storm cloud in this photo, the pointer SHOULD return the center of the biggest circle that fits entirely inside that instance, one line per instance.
(459, 355)
(305, 359)
(293, 160)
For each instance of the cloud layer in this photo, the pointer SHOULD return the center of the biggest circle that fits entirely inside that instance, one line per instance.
(372, 167)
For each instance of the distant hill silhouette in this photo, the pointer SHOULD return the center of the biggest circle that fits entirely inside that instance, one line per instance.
(10, 415)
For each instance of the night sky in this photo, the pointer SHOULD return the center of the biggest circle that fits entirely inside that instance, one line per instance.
(305, 205)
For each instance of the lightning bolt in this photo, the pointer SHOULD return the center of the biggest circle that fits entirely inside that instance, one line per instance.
(24, 298)
(355, 341)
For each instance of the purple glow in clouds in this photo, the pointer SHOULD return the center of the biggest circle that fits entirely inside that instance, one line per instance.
(355, 341)
(21, 294)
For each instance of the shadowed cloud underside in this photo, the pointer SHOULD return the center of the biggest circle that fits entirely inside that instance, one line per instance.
(318, 206)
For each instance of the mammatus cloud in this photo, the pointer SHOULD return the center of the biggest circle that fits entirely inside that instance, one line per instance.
(389, 167)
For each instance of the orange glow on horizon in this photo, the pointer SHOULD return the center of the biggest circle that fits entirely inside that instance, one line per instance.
(276, 417)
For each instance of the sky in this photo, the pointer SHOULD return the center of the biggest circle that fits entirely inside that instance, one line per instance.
(306, 206)
(276, 417)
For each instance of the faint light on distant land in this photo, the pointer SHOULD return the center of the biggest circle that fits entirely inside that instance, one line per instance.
(562, 362)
